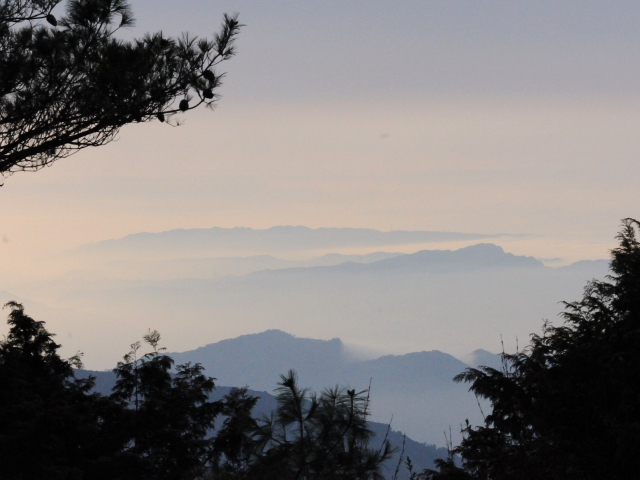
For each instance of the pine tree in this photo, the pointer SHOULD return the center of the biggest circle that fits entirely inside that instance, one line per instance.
(312, 436)
(68, 83)
(568, 406)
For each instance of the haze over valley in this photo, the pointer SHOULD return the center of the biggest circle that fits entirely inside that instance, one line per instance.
(455, 300)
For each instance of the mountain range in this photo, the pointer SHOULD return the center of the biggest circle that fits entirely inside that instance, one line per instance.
(248, 241)
(424, 303)
(414, 393)
(449, 300)
(474, 257)
(415, 390)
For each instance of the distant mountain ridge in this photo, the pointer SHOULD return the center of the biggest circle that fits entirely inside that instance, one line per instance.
(406, 302)
(272, 352)
(482, 255)
(416, 389)
(210, 267)
(318, 362)
(274, 239)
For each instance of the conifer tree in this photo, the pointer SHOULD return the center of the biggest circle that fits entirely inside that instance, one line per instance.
(49, 422)
(68, 82)
(568, 406)
(168, 420)
(314, 437)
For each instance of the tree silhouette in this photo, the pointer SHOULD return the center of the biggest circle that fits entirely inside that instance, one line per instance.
(49, 422)
(169, 416)
(234, 444)
(69, 83)
(317, 437)
(158, 423)
(568, 406)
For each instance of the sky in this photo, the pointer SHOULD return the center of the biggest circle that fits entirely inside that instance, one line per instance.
(488, 116)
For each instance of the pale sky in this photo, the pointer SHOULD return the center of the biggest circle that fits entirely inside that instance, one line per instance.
(487, 116)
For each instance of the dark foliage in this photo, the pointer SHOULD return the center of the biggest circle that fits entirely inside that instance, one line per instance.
(313, 436)
(155, 425)
(307, 437)
(69, 83)
(165, 429)
(158, 422)
(568, 406)
(49, 423)
(234, 443)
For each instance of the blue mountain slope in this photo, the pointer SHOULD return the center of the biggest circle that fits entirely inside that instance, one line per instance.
(475, 257)
(411, 374)
(257, 360)
(416, 388)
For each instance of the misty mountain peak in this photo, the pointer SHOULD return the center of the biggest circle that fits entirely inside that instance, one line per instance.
(275, 239)
(475, 257)
(483, 358)
(482, 255)
(273, 340)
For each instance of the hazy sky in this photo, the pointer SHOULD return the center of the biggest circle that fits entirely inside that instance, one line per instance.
(484, 116)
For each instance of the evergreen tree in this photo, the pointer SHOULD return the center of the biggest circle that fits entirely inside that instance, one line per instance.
(234, 444)
(168, 418)
(68, 83)
(156, 425)
(49, 422)
(311, 437)
(568, 406)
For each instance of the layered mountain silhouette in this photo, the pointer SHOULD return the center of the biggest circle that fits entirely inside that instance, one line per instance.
(449, 300)
(414, 392)
(274, 239)
(257, 360)
(415, 389)
(475, 257)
